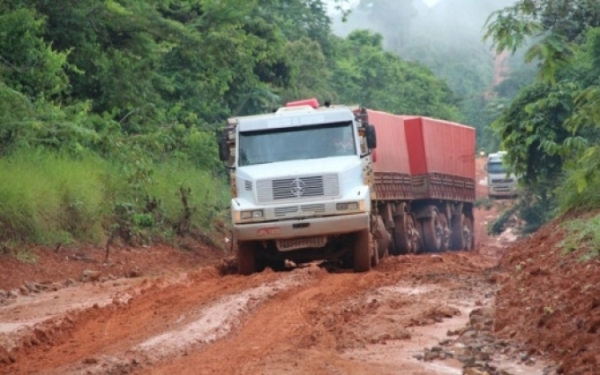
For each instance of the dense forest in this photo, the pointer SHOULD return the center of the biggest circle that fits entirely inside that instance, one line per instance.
(108, 108)
(447, 38)
(542, 106)
(550, 128)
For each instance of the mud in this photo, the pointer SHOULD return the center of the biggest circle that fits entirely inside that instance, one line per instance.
(210, 320)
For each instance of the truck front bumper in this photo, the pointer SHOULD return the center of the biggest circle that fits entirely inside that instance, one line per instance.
(502, 191)
(321, 226)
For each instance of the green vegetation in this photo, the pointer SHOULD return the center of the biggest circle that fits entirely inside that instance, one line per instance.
(108, 109)
(55, 198)
(551, 127)
(583, 234)
(447, 39)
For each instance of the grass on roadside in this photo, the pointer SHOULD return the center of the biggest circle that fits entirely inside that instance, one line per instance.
(49, 198)
(582, 234)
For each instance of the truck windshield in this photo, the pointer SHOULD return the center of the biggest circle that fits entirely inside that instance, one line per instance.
(298, 143)
(496, 168)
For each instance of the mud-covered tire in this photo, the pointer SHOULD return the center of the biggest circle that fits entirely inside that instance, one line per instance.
(247, 263)
(376, 256)
(459, 242)
(362, 253)
(401, 234)
(468, 229)
(432, 240)
(446, 232)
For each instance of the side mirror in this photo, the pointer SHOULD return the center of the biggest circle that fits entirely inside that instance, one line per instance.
(371, 135)
(223, 147)
(485, 167)
(374, 156)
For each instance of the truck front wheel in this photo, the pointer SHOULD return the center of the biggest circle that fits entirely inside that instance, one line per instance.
(247, 264)
(362, 251)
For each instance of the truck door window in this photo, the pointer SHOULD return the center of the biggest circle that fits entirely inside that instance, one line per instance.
(297, 143)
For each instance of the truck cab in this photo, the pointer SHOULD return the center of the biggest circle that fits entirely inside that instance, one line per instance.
(501, 183)
(300, 183)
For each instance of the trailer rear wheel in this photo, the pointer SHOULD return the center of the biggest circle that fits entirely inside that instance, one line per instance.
(247, 263)
(459, 241)
(404, 234)
(446, 233)
(432, 232)
(362, 251)
(468, 234)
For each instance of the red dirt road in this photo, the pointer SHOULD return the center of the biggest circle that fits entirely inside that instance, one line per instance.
(210, 321)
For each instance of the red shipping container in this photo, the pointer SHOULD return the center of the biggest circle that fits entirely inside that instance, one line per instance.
(437, 146)
(392, 154)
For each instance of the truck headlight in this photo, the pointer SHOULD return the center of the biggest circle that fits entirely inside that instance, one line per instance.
(256, 214)
(347, 206)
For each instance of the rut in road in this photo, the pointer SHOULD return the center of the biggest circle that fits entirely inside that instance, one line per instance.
(155, 307)
(269, 314)
(296, 328)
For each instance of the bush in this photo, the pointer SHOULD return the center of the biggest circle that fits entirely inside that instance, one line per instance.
(583, 234)
(51, 198)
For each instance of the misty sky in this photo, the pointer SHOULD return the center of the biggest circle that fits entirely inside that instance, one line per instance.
(352, 3)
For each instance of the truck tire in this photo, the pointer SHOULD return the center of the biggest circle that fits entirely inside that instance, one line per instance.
(403, 235)
(375, 257)
(468, 233)
(362, 251)
(462, 233)
(459, 241)
(432, 232)
(247, 264)
(446, 232)
(384, 243)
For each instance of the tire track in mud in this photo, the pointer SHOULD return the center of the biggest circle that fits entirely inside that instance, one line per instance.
(267, 321)
(296, 326)
(156, 306)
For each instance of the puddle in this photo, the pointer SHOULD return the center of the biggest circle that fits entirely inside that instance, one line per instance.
(401, 289)
(7, 328)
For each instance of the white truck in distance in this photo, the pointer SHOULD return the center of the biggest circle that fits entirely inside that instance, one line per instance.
(501, 184)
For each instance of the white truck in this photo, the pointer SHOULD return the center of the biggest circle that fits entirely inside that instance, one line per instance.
(305, 185)
(501, 184)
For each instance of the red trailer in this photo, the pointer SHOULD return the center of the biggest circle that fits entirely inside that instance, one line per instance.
(425, 181)
(441, 158)
(392, 169)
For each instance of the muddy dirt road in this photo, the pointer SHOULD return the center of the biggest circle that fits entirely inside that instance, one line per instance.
(310, 320)
(307, 321)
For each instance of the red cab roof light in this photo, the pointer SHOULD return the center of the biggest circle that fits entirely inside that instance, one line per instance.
(311, 102)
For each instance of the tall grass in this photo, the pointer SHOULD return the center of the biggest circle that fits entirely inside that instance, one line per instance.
(579, 191)
(51, 198)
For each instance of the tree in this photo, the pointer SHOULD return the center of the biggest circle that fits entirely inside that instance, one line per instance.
(366, 74)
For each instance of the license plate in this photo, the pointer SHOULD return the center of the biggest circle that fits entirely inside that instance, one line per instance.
(268, 231)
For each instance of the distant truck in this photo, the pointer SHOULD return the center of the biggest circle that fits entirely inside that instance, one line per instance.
(311, 182)
(501, 184)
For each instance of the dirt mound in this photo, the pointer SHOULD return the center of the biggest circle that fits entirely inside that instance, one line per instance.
(43, 265)
(550, 300)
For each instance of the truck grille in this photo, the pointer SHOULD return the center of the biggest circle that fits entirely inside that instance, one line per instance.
(297, 188)
(306, 208)
(301, 243)
(502, 181)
